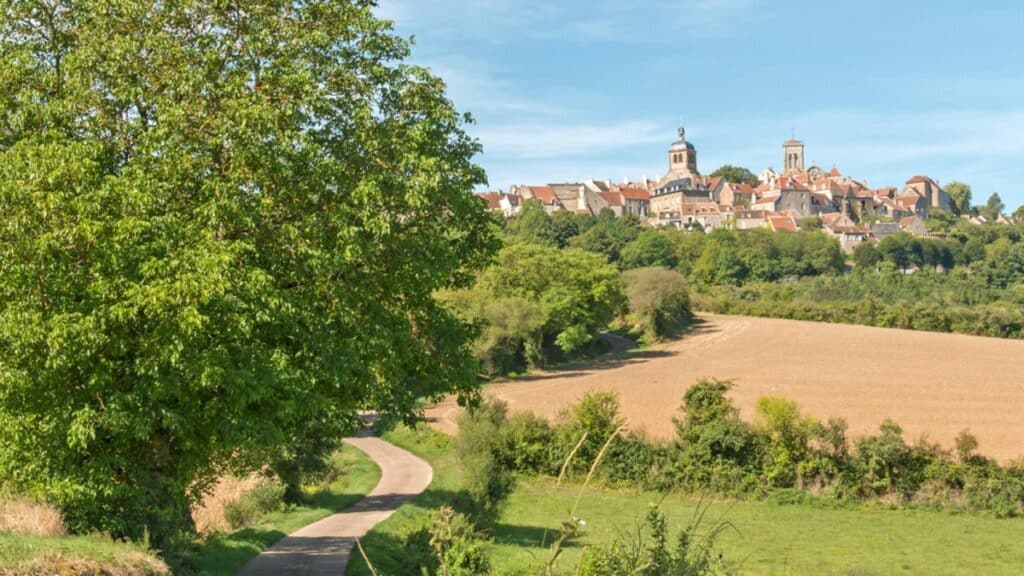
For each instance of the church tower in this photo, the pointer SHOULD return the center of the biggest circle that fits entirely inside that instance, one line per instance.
(793, 156)
(682, 156)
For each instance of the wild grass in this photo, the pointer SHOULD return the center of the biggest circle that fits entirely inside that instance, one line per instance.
(209, 516)
(353, 476)
(73, 555)
(21, 516)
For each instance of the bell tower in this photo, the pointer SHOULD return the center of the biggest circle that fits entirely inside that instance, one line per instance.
(682, 156)
(793, 156)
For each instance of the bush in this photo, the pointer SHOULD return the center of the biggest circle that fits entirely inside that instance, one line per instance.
(659, 303)
(596, 415)
(265, 497)
(527, 445)
(460, 550)
(480, 453)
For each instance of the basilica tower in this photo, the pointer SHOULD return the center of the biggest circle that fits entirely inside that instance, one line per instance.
(793, 156)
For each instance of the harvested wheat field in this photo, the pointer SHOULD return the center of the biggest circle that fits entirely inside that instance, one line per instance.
(931, 384)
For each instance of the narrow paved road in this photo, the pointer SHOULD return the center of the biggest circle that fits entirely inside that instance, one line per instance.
(324, 547)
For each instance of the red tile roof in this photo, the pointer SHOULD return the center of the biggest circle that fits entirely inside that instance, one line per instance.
(907, 221)
(835, 172)
(544, 193)
(782, 223)
(635, 193)
(611, 198)
(493, 199)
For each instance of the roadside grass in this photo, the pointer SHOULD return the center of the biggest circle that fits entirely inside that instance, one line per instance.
(385, 544)
(21, 554)
(769, 538)
(223, 554)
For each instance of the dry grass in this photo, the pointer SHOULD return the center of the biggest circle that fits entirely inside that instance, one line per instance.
(209, 515)
(129, 565)
(20, 516)
(931, 384)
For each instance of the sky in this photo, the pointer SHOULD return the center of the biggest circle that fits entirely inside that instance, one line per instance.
(567, 90)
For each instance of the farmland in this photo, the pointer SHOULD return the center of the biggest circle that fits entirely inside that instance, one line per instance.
(931, 384)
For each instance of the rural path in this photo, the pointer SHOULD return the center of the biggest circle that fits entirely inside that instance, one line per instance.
(324, 547)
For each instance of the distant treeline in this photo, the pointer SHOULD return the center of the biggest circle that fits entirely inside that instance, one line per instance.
(563, 278)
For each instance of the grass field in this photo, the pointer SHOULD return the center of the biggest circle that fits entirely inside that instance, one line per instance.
(224, 554)
(931, 384)
(59, 554)
(769, 538)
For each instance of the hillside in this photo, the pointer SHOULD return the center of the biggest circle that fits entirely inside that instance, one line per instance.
(929, 383)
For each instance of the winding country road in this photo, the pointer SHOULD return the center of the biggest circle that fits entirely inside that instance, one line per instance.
(324, 547)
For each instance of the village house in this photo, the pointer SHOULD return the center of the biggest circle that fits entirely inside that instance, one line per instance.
(929, 190)
(913, 225)
(507, 204)
(844, 229)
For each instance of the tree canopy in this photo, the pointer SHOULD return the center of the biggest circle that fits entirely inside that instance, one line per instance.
(219, 222)
(960, 194)
(736, 175)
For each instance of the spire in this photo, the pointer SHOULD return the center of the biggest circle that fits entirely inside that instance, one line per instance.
(682, 132)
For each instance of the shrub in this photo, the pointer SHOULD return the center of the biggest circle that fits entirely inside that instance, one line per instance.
(527, 445)
(788, 434)
(267, 496)
(596, 415)
(659, 302)
(479, 451)
(714, 449)
(460, 550)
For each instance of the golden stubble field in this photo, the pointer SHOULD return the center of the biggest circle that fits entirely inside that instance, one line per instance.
(931, 384)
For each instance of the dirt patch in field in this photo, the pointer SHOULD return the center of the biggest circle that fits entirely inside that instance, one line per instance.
(931, 384)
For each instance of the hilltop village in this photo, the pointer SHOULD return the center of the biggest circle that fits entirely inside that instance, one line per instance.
(684, 198)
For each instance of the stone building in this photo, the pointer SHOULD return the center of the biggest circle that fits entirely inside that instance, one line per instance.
(793, 156)
(682, 184)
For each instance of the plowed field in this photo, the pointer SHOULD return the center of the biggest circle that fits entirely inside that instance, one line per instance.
(931, 384)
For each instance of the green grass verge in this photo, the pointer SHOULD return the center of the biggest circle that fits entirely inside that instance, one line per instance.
(225, 554)
(384, 545)
(18, 551)
(769, 538)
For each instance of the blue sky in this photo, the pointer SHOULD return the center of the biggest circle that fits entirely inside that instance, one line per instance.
(568, 90)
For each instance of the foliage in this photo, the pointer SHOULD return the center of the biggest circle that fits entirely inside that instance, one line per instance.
(460, 550)
(766, 529)
(736, 175)
(593, 421)
(960, 197)
(219, 220)
(865, 256)
(994, 207)
(265, 497)
(714, 450)
(608, 235)
(647, 552)
(479, 453)
(538, 303)
(532, 224)
(650, 248)
(659, 303)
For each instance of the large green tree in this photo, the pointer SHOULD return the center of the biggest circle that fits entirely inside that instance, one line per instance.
(994, 207)
(736, 175)
(221, 228)
(960, 195)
